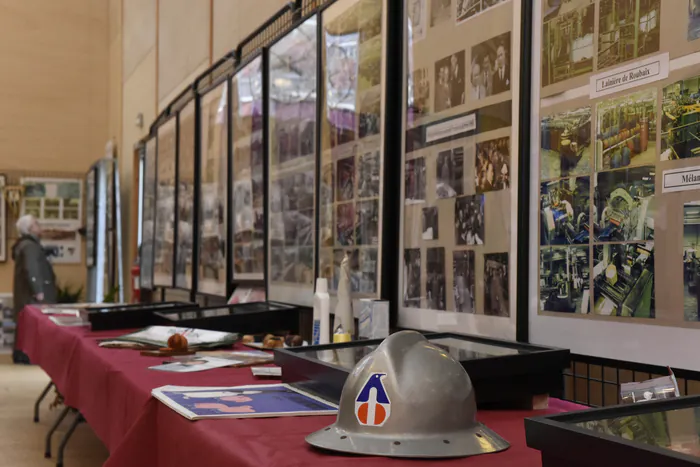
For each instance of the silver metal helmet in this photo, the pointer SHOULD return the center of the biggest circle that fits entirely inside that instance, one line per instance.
(408, 398)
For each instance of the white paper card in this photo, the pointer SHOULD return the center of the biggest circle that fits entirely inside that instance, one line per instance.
(630, 76)
(684, 179)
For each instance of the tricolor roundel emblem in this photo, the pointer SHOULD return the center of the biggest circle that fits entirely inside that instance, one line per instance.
(372, 404)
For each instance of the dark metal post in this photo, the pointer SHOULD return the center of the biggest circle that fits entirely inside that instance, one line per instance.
(266, 161)
(229, 188)
(393, 116)
(522, 297)
(320, 115)
(196, 231)
(176, 228)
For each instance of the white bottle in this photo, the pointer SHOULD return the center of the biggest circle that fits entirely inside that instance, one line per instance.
(343, 310)
(322, 313)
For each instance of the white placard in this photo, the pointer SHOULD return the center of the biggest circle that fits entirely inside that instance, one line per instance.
(684, 179)
(450, 128)
(630, 76)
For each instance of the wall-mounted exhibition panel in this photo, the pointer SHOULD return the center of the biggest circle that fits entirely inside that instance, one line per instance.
(458, 240)
(248, 202)
(352, 156)
(614, 204)
(148, 214)
(185, 196)
(90, 217)
(213, 198)
(164, 225)
(293, 62)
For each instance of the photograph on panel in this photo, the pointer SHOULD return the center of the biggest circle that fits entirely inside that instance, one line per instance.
(496, 294)
(469, 220)
(435, 293)
(624, 205)
(693, 20)
(411, 278)
(327, 185)
(567, 39)
(367, 226)
(302, 223)
(338, 256)
(450, 173)
(691, 260)
(370, 19)
(291, 258)
(368, 175)
(450, 84)
(418, 19)
(213, 237)
(325, 266)
(463, 272)
(345, 171)
(493, 165)
(565, 144)
(367, 267)
(243, 210)
(370, 112)
(419, 93)
(628, 29)
(565, 275)
(680, 120)
(304, 268)
(626, 130)
(277, 257)
(415, 181)
(304, 190)
(326, 224)
(258, 256)
(490, 67)
(565, 211)
(440, 11)
(341, 81)
(466, 9)
(430, 223)
(370, 64)
(345, 224)
(242, 258)
(623, 280)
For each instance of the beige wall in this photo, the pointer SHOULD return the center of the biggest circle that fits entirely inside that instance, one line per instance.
(54, 92)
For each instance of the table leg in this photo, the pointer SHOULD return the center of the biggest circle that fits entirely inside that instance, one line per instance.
(76, 421)
(61, 416)
(41, 398)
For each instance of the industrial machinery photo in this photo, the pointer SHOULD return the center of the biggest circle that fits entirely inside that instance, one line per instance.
(565, 211)
(565, 279)
(623, 283)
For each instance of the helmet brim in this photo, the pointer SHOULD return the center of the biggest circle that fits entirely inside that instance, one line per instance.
(474, 441)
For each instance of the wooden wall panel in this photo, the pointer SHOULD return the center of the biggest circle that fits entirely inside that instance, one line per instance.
(183, 42)
(139, 31)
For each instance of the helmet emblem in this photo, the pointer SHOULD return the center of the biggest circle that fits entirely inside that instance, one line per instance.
(372, 405)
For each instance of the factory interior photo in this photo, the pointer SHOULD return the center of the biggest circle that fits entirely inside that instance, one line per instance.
(333, 233)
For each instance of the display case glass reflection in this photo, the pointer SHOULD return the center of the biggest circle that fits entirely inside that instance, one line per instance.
(460, 154)
(351, 143)
(148, 214)
(213, 200)
(185, 198)
(248, 198)
(676, 430)
(164, 227)
(292, 164)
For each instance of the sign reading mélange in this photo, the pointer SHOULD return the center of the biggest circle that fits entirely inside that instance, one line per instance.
(681, 179)
(629, 76)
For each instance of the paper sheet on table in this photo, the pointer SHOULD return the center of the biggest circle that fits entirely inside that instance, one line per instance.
(194, 364)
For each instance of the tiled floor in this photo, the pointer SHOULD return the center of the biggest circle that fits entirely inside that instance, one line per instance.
(22, 440)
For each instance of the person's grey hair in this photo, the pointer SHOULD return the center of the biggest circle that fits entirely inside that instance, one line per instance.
(24, 223)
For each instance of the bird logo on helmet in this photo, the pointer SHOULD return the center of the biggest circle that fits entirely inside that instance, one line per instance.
(372, 404)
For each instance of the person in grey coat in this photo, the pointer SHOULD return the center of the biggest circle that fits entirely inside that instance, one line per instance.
(34, 280)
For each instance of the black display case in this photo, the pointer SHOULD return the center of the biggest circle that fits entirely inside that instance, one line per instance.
(502, 372)
(648, 434)
(243, 318)
(138, 315)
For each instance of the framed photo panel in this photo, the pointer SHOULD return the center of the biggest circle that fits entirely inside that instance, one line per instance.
(291, 116)
(185, 196)
(148, 213)
(458, 241)
(164, 225)
(213, 202)
(248, 201)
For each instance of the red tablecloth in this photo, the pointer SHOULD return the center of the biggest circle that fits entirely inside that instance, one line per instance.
(112, 389)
